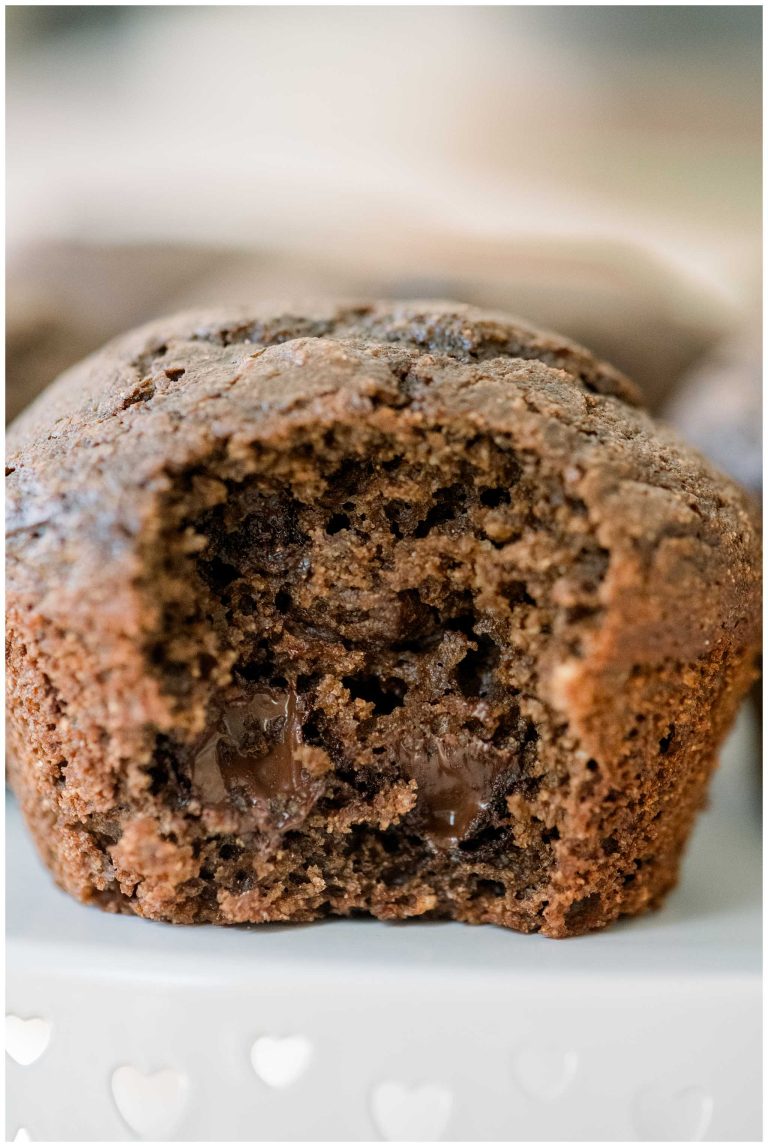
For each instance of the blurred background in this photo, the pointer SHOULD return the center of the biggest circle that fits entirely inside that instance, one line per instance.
(595, 169)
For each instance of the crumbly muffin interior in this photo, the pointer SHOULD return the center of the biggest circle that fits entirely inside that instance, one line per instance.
(353, 629)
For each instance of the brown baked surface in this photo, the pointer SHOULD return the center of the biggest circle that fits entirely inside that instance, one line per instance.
(401, 609)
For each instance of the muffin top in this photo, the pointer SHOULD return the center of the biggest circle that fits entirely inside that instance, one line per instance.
(90, 460)
(106, 382)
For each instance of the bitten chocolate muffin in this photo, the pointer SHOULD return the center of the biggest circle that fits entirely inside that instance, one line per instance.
(398, 609)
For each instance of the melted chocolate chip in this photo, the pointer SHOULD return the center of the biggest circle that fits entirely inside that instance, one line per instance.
(455, 786)
(251, 749)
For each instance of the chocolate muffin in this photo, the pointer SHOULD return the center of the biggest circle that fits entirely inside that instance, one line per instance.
(407, 610)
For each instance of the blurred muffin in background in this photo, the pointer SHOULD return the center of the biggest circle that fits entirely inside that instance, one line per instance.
(717, 406)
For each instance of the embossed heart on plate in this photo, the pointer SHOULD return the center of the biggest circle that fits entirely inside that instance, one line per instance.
(280, 1062)
(418, 1113)
(666, 1112)
(26, 1040)
(152, 1103)
(543, 1072)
